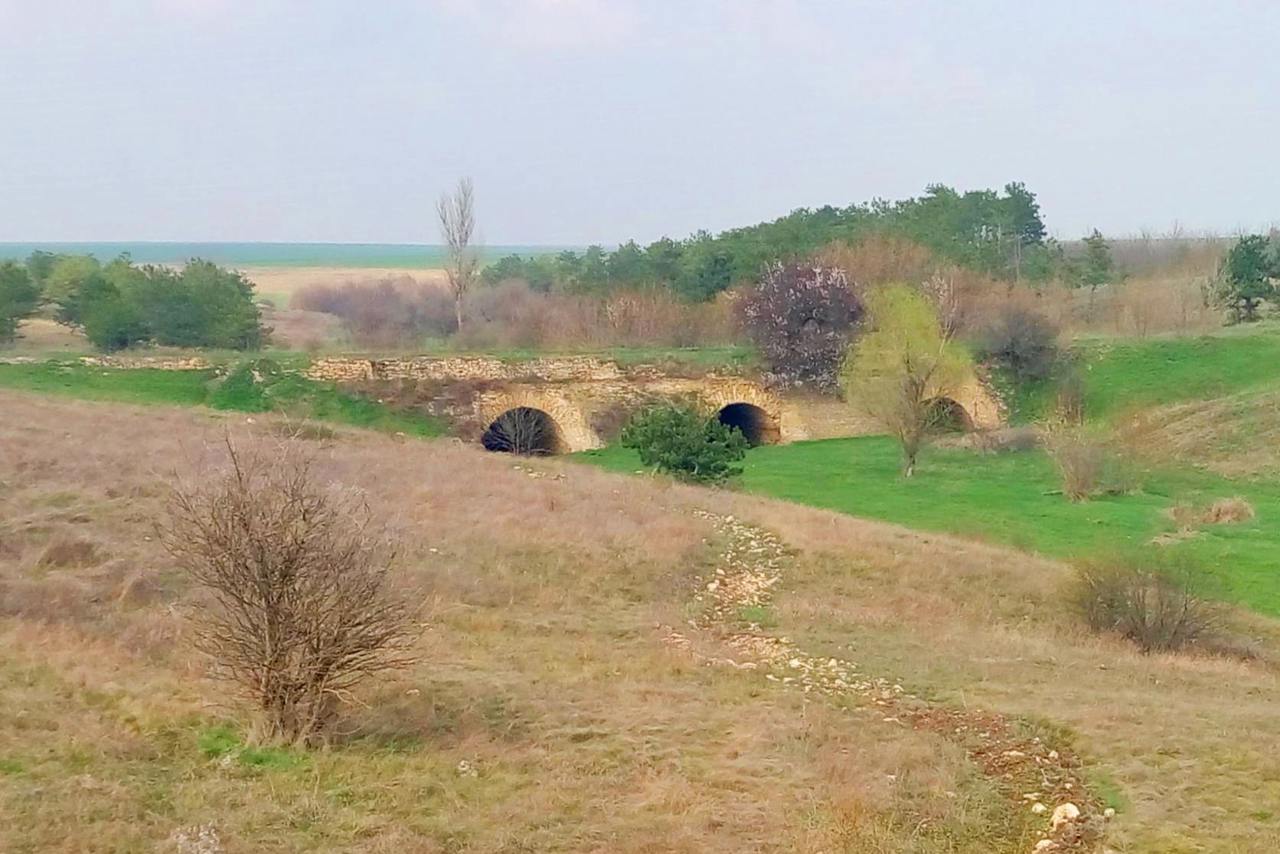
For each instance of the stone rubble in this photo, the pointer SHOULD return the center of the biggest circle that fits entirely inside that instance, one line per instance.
(743, 580)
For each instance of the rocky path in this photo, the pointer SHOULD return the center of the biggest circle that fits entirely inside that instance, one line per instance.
(1044, 779)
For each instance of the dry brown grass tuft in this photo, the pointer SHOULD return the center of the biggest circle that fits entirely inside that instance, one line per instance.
(1223, 511)
(548, 714)
(68, 551)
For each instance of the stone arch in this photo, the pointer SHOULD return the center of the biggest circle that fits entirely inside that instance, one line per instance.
(526, 431)
(721, 394)
(755, 422)
(948, 416)
(571, 426)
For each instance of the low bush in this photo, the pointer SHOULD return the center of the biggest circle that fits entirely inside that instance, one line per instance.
(245, 389)
(686, 443)
(1223, 511)
(1080, 456)
(386, 313)
(511, 314)
(1021, 341)
(301, 603)
(1150, 599)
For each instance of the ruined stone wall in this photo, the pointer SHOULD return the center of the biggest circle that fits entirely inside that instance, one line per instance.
(583, 393)
(588, 398)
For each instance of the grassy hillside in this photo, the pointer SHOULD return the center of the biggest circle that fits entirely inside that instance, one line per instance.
(552, 709)
(1122, 377)
(1011, 498)
(1201, 414)
(290, 394)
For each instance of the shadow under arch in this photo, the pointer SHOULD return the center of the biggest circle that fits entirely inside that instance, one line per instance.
(757, 425)
(948, 416)
(526, 431)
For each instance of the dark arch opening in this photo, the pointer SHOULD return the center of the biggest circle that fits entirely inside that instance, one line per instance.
(947, 416)
(757, 425)
(524, 430)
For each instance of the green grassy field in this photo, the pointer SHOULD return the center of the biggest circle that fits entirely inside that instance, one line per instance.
(1123, 376)
(1011, 499)
(288, 393)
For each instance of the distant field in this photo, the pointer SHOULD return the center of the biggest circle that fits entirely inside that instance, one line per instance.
(342, 255)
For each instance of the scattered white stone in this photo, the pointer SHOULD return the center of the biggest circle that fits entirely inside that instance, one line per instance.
(201, 839)
(1064, 814)
(1109, 813)
(1039, 808)
(1046, 845)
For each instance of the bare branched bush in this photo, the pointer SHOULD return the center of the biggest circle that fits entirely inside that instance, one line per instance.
(1069, 406)
(1151, 602)
(385, 313)
(511, 314)
(301, 603)
(1022, 341)
(1080, 456)
(523, 430)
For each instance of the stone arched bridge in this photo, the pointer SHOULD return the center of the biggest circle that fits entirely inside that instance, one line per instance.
(581, 402)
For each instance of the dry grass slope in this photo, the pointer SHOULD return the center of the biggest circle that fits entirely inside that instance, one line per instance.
(548, 713)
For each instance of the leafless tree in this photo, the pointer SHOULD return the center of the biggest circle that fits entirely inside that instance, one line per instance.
(523, 430)
(457, 227)
(302, 608)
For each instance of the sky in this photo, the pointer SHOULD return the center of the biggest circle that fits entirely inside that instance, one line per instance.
(598, 121)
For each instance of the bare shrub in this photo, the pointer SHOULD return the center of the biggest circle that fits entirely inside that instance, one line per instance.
(1080, 457)
(385, 313)
(1022, 341)
(880, 259)
(302, 608)
(1002, 440)
(513, 315)
(1148, 600)
(962, 296)
(1227, 511)
(1223, 511)
(523, 430)
(1069, 398)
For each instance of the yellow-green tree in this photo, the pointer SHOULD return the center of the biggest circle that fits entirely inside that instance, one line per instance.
(900, 370)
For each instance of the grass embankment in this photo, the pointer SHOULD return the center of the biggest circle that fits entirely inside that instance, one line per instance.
(257, 386)
(1012, 498)
(1122, 377)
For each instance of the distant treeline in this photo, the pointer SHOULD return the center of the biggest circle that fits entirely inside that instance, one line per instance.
(120, 304)
(997, 233)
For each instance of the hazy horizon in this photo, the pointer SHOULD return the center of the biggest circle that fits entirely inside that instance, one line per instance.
(595, 121)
